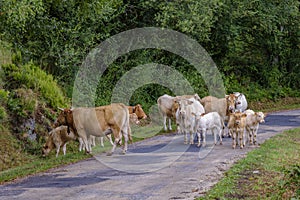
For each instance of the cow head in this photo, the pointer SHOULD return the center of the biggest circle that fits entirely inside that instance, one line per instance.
(182, 104)
(45, 150)
(260, 116)
(47, 147)
(140, 112)
(231, 102)
(238, 118)
(65, 117)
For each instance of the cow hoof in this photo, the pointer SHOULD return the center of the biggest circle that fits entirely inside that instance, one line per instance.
(123, 153)
(109, 153)
(221, 143)
(198, 145)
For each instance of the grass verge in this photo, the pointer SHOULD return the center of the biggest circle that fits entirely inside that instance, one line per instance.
(269, 172)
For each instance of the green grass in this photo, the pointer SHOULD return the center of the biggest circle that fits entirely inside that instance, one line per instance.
(37, 164)
(269, 172)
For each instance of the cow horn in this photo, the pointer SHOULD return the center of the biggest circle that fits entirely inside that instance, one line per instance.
(61, 109)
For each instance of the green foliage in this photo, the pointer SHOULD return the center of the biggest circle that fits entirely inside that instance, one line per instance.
(22, 102)
(31, 76)
(255, 44)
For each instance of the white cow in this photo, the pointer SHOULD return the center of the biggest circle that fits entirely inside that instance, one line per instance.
(186, 117)
(168, 106)
(241, 102)
(252, 124)
(211, 121)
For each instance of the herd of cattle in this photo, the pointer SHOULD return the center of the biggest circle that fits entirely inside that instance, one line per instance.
(191, 113)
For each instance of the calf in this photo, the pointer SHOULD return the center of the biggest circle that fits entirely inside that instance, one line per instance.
(252, 123)
(58, 137)
(211, 121)
(236, 126)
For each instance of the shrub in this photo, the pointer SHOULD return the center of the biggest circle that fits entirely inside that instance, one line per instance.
(32, 77)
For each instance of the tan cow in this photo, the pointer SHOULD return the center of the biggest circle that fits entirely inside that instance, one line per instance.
(137, 109)
(236, 126)
(58, 137)
(98, 121)
(224, 106)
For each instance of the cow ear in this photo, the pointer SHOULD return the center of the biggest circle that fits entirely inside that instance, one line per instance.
(244, 115)
(196, 96)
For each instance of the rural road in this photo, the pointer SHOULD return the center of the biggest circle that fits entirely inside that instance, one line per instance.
(158, 168)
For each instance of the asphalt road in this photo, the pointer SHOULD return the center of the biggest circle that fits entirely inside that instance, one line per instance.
(158, 168)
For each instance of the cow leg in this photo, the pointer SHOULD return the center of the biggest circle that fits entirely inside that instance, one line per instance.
(241, 139)
(215, 136)
(110, 140)
(125, 143)
(118, 136)
(219, 131)
(185, 137)
(233, 134)
(81, 144)
(65, 148)
(250, 135)
(170, 122)
(204, 137)
(165, 122)
(86, 143)
(101, 141)
(191, 137)
(254, 136)
(57, 150)
(199, 138)
(92, 140)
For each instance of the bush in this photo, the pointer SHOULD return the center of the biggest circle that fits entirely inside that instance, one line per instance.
(32, 77)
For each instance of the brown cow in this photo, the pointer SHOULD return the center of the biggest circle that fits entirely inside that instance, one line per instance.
(236, 126)
(137, 109)
(58, 137)
(98, 121)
